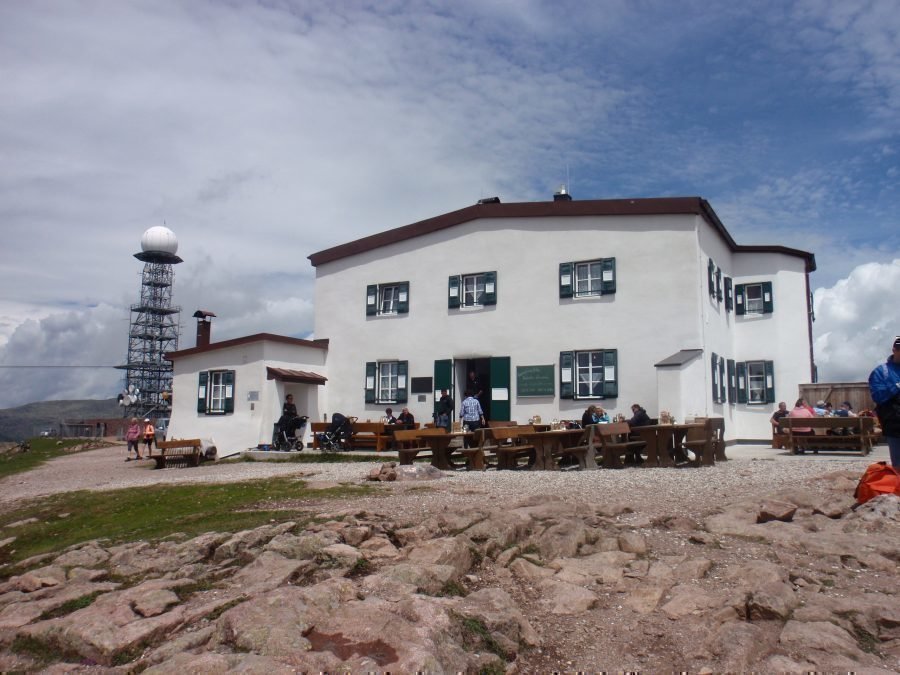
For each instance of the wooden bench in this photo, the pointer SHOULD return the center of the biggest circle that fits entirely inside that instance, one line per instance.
(614, 443)
(506, 447)
(370, 435)
(187, 452)
(411, 444)
(859, 433)
(581, 449)
(315, 429)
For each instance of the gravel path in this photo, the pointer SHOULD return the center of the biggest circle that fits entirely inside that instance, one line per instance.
(684, 490)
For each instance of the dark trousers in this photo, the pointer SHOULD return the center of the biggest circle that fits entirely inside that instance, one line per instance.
(470, 425)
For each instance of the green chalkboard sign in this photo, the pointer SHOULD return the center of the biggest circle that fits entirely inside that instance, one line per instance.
(535, 381)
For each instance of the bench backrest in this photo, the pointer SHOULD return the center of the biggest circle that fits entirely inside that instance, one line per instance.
(318, 427)
(409, 438)
(502, 423)
(502, 434)
(179, 443)
(865, 424)
(376, 428)
(428, 431)
(610, 433)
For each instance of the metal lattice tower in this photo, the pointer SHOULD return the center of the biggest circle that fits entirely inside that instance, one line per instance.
(153, 329)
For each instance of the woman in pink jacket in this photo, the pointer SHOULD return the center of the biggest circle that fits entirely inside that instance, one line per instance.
(133, 437)
(801, 409)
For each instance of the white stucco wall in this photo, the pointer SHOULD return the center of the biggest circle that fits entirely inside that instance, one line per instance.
(661, 306)
(251, 422)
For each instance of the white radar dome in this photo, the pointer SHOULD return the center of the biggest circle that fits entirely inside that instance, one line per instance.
(161, 239)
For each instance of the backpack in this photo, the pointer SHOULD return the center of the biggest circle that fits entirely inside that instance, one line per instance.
(879, 479)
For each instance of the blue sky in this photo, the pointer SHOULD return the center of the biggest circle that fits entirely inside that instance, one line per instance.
(263, 132)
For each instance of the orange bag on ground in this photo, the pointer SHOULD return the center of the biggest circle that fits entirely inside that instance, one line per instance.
(879, 479)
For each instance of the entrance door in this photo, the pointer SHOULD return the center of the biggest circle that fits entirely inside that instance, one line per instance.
(443, 379)
(499, 393)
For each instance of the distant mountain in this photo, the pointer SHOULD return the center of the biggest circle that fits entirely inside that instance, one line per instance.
(27, 421)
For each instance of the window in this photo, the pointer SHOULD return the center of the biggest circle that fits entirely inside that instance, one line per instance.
(387, 299)
(753, 298)
(589, 374)
(386, 382)
(755, 382)
(718, 379)
(215, 392)
(589, 278)
(472, 290)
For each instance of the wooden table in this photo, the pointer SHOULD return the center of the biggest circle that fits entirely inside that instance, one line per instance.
(545, 442)
(664, 442)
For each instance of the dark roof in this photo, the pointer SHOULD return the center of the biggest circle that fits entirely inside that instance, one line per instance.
(247, 339)
(589, 207)
(288, 375)
(679, 358)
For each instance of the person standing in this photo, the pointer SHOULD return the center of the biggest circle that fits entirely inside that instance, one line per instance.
(444, 411)
(149, 435)
(474, 385)
(471, 414)
(884, 385)
(133, 438)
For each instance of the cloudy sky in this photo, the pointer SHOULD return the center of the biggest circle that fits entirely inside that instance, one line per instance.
(262, 132)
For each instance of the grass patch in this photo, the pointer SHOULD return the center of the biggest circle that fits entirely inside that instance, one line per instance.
(361, 568)
(70, 606)
(153, 512)
(477, 637)
(866, 641)
(42, 450)
(453, 589)
(43, 653)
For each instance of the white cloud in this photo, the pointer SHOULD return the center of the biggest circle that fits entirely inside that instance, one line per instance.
(856, 322)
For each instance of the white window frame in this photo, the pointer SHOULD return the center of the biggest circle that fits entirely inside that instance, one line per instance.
(753, 305)
(216, 392)
(590, 374)
(387, 381)
(756, 395)
(590, 280)
(472, 292)
(388, 295)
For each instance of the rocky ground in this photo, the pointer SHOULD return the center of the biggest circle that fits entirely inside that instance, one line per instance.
(744, 566)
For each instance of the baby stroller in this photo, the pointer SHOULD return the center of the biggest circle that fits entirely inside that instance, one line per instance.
(337, 436)
(288, 433)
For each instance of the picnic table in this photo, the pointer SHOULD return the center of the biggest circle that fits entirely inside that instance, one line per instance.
(559, 443)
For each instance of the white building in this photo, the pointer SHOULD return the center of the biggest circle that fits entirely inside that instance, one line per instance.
(231, 392)
(557, 305)
(554, 305)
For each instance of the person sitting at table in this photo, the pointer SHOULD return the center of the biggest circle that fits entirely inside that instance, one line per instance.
(444, 411)
(773, 420)
(801, 409)
(601, 415)
(639, 417)
(594, 415)
(846, 410)
(406, 417)
(389, 417)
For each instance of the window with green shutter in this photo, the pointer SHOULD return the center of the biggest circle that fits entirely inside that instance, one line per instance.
(711, 277)
(472, 290)
(215, 392)
(718, 284)
(732, 383)
(755, 298)
(588, 278)
(589, 374)
(756, 382)
(387, 299)
(387, 382)
(729, 294)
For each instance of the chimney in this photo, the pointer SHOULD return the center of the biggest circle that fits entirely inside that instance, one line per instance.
(489, 200)
(204, 323)
(562, 195)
